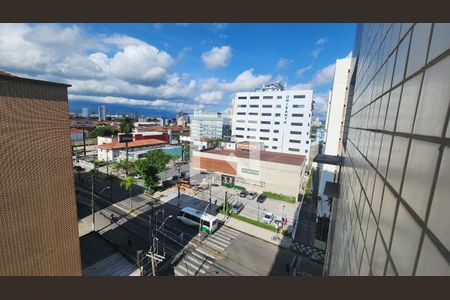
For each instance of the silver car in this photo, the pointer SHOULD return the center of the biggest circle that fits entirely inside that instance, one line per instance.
(252, 195)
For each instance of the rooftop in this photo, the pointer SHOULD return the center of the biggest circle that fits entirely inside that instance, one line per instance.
(275, 157)
(6, 75)
(139, 143)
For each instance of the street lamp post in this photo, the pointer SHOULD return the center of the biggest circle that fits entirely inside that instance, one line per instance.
(93, 201)
(200, 226)
(164, 240)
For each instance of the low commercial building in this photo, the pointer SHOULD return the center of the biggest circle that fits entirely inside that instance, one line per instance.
(256, 170)
(112, 151)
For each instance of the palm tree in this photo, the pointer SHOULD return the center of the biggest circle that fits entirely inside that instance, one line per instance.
(127, 184)
(126, 126)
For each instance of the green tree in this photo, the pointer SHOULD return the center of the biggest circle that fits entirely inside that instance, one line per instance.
(103, 130)
(215, 142)
(151, 165)
(127, 184)
(186, 152)
(122, 165)
(126, 126)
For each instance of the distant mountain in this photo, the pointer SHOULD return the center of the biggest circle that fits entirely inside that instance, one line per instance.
(76, 106)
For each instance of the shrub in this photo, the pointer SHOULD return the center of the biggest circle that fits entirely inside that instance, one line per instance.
(280, 197)
(232, 186)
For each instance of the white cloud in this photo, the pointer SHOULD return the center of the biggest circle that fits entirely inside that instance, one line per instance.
(220, 26)
(183, 53)
(320, 104)
(217, 57)
(245, 81)
(315, 53)
(283, 63)
(141, 63)
(321, 41)
(323, 76)
(301, 86)
(302, 71)
(210, 97)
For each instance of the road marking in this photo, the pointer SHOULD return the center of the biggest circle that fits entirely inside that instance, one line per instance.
(220, 242)
(198, 263)
(214, 245)
(195, 269)
(221, 237)
(178, 273)
(200, 250)
(205, 258)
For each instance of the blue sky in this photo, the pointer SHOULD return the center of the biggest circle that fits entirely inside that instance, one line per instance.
(168, 67)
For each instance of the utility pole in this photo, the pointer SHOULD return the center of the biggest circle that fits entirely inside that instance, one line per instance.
(178, 185)
(92, 200)
(84, 142)
(126, 169)
(107, 162)
(139, 262)
(225, 203)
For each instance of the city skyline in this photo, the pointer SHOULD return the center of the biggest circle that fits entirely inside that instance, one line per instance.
(154, 68)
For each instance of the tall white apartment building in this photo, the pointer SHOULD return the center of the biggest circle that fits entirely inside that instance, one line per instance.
(279, 118)
(334, 125)
(206, 125)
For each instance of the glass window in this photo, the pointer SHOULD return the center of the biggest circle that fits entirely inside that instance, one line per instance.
(277, 115)
(268, 97)
(275, 139)
(295, 132)
(296, 124)
(264, 138)
(254, 105)
(265, 122)
(295, 141)
(278, 106)
(252, 114)
(276, 131)
(277, 123)
(241, 97)
(254, 97)
(297, 115)
(242, 105)
(298, 106)
(294, 149)
(274, 147)
(264, 130)
(278, 97)
(299, 96)
(241, 113)
(251, 129)
(266, 114)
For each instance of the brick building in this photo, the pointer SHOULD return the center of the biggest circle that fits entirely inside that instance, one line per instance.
(38, 218)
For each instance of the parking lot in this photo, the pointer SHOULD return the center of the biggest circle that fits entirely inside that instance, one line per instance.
(252, 209)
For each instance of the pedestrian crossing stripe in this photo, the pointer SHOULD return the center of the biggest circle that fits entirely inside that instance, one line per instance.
(217, 239)
(198, 263)
(214, 245)
(193, 270)
(204, 258)
(221, 238)
(204, 253)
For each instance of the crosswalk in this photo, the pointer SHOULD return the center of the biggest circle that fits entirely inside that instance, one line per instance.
(198, 262)
(222, 238)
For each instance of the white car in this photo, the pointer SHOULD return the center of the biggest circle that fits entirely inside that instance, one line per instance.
(268, 217)
(137, 176)
(252, 195)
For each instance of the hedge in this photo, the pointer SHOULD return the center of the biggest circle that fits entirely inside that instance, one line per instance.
(280, 197)
(232, 186)
(250, 221)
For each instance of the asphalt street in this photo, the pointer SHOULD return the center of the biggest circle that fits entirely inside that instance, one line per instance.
(231, 252)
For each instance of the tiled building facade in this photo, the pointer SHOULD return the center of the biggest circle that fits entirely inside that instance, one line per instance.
(38, 215)
(392, 214)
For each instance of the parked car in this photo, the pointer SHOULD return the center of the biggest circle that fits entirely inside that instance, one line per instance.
(237, 207)
(243, 194)
(252, 195)
(137, 176)
(278, 221)
(268, 217)
(261, 198)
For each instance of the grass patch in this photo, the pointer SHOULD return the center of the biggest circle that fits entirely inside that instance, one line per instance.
(280, 197)
(232, 186)
(248, 220)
